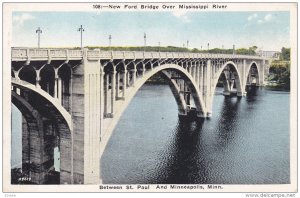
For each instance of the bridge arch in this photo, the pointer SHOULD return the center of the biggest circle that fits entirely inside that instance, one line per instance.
(253, 66)
(23, 85)
(230, 65)
(236, 73)
(30, 114)
(52, 121)
(131, 91)
(188, 78)
(32, 148)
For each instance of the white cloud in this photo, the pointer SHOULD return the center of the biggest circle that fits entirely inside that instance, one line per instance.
(253, 16)
(268, 17)
(260, 21)
(20, 19)
(186, 19)
(181, 14)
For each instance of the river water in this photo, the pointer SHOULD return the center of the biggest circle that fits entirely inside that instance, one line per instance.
(246, 141)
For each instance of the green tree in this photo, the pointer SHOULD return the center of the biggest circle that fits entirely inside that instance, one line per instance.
(280, 70)
(285, 53)
(250, 51)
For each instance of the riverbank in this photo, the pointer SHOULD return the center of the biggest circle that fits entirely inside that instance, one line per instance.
(270, 85)
(277, 88)
(274, 86)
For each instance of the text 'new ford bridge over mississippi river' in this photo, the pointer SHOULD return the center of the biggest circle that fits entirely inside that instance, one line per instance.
(72, 99)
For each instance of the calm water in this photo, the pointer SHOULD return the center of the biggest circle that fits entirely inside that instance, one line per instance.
(245, 142)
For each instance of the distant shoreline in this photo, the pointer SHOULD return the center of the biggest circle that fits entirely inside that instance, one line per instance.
(276, 88)
(267, 87)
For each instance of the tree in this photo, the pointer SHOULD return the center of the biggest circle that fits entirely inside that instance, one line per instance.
(253, 50)
(285, 53)
(280, 69)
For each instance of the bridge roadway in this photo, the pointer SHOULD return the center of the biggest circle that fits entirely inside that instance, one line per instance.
(73, 98)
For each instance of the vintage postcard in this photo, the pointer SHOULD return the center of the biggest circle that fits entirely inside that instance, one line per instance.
(150, 97)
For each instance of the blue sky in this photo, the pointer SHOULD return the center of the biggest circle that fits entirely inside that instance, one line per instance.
(267, 30)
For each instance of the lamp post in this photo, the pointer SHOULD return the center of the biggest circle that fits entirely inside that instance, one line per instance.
(145, 40)
(158, 46)
(109, 43)
(39, 31)
(187, 44)
(81, 30)
(208, 46)
(233, 49)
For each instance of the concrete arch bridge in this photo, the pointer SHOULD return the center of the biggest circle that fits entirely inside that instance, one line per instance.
(72, 99)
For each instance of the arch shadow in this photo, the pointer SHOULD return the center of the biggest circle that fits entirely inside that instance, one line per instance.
(36, 104)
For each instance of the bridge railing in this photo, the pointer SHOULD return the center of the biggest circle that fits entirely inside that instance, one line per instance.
(75, 53)
(45, 53)
(38, 53)
(53, 53)
(129, 55)
(19, 53)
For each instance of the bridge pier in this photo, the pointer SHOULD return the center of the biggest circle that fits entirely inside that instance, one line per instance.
(33, 149)
(207, 87)
(262, 71)
(90, 151)
(106, 84)
(124, 77)
(113, 92)
(88, 91)
(31, 127)
(59, 90)
(38, 138)
(201, 79)
(134, 71)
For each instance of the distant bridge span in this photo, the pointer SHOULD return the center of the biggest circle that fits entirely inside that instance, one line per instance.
(74, 98)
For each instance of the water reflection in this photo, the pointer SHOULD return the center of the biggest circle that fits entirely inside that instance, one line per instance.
(227, 123)
(253, 92)
(192, 152)
(184, 151)
(240, 144)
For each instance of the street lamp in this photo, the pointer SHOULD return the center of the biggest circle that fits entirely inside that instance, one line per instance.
(38, 31)
(109, 38)
(187, 44)
(233, 49)
(81, 30)
(158, 46)
(208, 46)
(145, 39)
